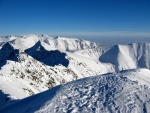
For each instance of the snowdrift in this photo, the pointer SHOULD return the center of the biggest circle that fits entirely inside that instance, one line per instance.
(104, 94)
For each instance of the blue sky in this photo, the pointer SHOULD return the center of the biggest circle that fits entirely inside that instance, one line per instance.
(75, 17)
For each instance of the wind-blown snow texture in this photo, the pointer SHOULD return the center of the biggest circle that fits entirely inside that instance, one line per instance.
(102, 94)
(31, 64)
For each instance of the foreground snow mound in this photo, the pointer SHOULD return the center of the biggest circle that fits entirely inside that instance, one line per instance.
(101, 94)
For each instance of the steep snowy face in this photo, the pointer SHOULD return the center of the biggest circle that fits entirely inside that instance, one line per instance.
(37, 69)
(42, 62)
(29, 76)
(128, 56)
(111, 55)
(143, 54)
(93, 53)
(70, 44)
(104, 94)
(7, 38)
(25, 42)
(8, 52)
(50, 58)
(59, 43)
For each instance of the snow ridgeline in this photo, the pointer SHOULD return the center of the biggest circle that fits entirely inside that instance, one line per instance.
(31, 64)
(58, 43)
(130, 56)
(36, 69)
(109, 93)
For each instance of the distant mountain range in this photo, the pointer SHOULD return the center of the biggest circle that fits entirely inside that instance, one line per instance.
(31, 64)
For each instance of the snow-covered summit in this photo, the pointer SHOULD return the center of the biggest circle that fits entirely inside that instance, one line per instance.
(31, 64)
(60, 43)
(129, 56)
(50, 58)
(39, 67)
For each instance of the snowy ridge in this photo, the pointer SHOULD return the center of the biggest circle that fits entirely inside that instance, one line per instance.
(51, 58)
(60, 43)
(70, 44)
(129, 56)
(37, 69)
(7, 52)
(102, 94)
(31, 64)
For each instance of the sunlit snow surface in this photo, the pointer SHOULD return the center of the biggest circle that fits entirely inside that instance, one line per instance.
(101, 94)
(28, 66)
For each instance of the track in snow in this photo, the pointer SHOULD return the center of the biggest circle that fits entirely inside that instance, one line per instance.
(101, 94)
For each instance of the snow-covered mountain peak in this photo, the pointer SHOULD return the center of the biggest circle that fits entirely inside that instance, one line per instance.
(61, 43)
(8, 52)
(113, 52)
(7, 46)
(50, 58)
(34, 63)
(37, 47)
(129, 56)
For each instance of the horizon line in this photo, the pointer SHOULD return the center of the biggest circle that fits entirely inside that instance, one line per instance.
(95, 34)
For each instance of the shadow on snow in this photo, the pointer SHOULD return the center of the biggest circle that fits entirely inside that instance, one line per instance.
(50, 58)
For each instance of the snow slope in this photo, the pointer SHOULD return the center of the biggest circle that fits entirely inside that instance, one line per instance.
(130, 56)
(102, 94)
(61, 43)
(31, 64)
(51, 58)
(69, 44)
(140, 75)
(24, 73)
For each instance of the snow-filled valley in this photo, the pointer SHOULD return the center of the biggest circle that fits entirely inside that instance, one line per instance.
(43, 74)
